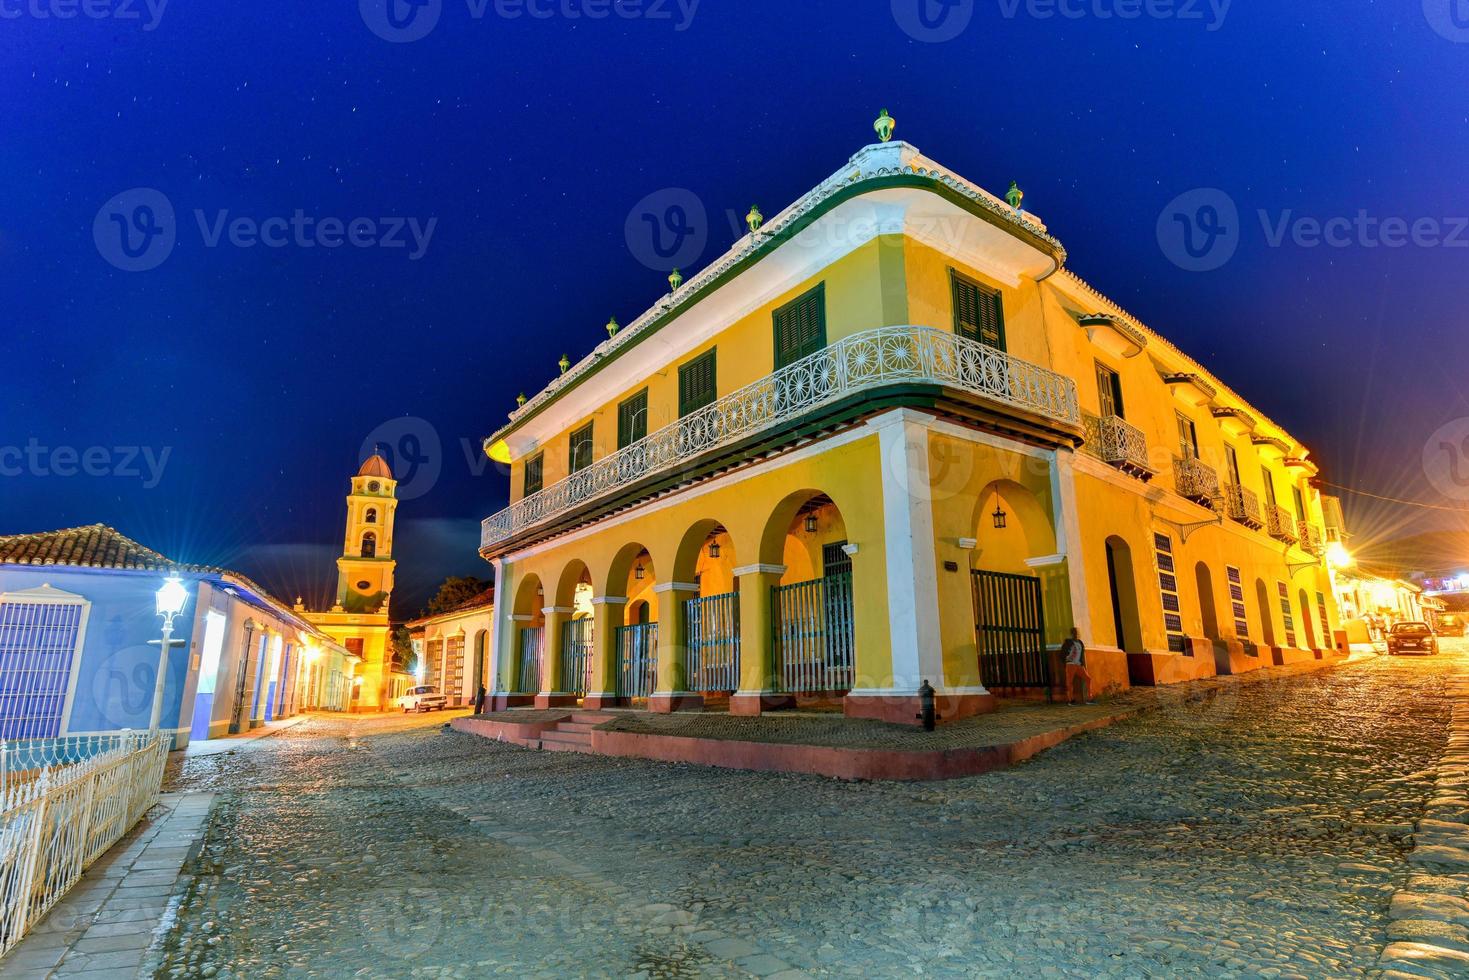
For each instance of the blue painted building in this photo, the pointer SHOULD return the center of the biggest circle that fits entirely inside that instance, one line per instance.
(80, 642)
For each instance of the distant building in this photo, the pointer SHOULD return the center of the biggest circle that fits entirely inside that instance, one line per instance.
(1372, 599)
(453, 648)
(359, 618)
(79, 643)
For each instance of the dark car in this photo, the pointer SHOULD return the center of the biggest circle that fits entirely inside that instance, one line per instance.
(1411, 637)
(1450, 626)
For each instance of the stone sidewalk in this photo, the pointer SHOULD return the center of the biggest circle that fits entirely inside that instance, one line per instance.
(105, 925)
(1430, 929)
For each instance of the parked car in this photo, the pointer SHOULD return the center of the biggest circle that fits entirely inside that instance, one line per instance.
(1417, 637)
(423, 698)
(1451, 626)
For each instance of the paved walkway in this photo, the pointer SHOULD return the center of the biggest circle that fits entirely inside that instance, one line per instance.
(105, 925)
(1262, 831)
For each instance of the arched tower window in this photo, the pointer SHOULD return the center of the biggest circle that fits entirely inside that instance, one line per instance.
(371, 517)
(369, 545)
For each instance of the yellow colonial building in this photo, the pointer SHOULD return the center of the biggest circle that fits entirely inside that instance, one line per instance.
(889, 439)
(359, 618)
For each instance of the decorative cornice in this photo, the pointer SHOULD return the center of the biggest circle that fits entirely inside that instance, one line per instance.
(760, 570)
(663, 587)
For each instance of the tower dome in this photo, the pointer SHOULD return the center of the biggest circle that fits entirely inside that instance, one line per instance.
(376, 466)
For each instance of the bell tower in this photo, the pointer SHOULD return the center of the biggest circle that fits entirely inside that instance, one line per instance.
(365, 570)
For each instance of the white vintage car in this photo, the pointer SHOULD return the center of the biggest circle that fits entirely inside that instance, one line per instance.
(424, 698)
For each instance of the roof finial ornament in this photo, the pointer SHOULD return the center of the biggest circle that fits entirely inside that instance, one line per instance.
(754, 219)
(612, 327)
(1015, 196)
(564, 364)
(885, 125)
(520, 400)
(675, 279)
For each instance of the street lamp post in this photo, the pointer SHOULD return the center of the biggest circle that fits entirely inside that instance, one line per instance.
(170, 601)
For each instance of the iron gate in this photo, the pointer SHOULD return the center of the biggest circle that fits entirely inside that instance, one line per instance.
(637, 660)
(576, 655)
(528, 676)
(714, 643)
(814, 641)
(1010, 630)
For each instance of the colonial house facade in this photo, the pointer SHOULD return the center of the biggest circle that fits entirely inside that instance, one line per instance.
(453, 648)
(889, 439)
(79, 644)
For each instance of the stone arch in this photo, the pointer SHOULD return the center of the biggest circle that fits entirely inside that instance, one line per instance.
(788, 538)
(1028, 531)
(693, 561)
(1127, 626)
(575, 578)
(632, 575)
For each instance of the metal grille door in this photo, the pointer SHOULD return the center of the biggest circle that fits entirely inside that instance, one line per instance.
(576, 655)
(814, 644)
(528, 673)
(1010, 630)
(637, 660)
(38, 643)
(714, 643)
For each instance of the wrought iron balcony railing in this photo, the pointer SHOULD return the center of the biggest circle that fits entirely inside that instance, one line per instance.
(1312, 539)
(1116, 442)
(862, 362)
(1243, 506)
(1282, 524)
(1196, 480)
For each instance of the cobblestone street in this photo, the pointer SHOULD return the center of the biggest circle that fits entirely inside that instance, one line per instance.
(1261, 832)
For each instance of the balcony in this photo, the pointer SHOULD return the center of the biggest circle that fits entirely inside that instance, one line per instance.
(1312, 539)
(1195, 480)
(1118, 443)
(1243, 507)
(862, 363)
(1282, 525)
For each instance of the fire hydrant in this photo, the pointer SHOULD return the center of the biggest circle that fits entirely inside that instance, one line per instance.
(926, 712)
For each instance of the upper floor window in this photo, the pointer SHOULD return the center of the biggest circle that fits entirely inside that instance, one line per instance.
(1188, 437)
(535, 470)
(371, 516)
(1300, 502)
(979, 311)
(1109, 391)
(696, 383)
(1231, 459)
(632, 419)
(369, 545)
(579, 454)
(1269, 485)
(800, 327)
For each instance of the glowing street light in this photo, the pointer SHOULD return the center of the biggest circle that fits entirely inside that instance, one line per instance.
(1337, 556)
(169, 602)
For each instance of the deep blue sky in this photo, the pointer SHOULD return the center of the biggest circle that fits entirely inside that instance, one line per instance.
(261, 371)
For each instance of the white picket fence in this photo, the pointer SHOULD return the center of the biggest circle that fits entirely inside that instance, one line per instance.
(63, 803)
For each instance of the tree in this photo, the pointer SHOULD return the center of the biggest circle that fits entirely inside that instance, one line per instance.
(403, 655)
(455, 591)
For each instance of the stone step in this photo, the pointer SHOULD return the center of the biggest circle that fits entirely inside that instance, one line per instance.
(556, 735)
(590, 717)
(550, 745)
(577, 726)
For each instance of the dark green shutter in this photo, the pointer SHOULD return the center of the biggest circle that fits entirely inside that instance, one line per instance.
(696, 384)
(580, 452)
(1109, 390)
(632, 419)
(800, 327)
(979, 312)
(534, 475)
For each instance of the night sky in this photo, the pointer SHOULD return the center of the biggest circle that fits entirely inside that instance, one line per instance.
(526, 143)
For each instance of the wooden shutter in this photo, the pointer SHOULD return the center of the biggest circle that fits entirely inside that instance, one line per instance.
(632, 419)
(534, 474)
(1109, 391)
(979, 312)
(580, 451)
(696, 384)
(1188, 440)
(800, 327)
(1232, 458)
(1300, 502)
(1269, 485)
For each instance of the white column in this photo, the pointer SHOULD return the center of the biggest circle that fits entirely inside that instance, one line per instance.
(502, 630)
(911, 561)
(1068, 539)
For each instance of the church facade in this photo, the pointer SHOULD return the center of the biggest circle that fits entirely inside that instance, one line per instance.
(359, 618)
